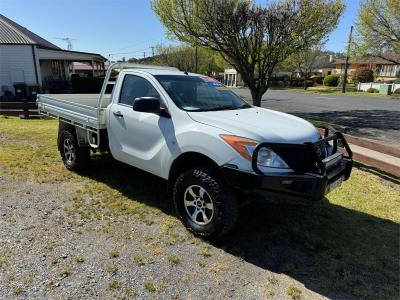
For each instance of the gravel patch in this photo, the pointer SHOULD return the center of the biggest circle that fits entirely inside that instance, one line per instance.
(47, 253)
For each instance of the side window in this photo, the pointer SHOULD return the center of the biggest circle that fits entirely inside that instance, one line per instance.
(134, 87)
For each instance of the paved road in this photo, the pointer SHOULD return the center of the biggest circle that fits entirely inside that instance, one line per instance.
(363, 116)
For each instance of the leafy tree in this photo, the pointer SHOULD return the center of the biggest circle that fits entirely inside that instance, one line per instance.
(378, 28)
(305, 61)
(363, 75)
(183, 57)
(250, 37)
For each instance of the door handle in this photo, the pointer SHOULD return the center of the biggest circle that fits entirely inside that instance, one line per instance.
(118, 114)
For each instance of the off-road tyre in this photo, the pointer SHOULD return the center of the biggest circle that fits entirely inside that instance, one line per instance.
(224, 202)
(75, 158)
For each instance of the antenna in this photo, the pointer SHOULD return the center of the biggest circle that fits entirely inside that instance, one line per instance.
(68, 41)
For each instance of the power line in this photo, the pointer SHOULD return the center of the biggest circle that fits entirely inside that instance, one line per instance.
(133, 45)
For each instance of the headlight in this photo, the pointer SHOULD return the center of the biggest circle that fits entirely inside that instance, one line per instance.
(245, 147)
(268, 158)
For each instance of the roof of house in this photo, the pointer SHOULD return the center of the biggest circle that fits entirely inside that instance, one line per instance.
(365, 61)
(13, 33)
(78, 66)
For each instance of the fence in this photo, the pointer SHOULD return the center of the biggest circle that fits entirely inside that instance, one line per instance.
(365, 86)
(25, 109)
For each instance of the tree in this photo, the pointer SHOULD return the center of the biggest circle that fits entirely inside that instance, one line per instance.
(183, 57)
(250, 37)
(378, 28)
(363, 75)
(305, 61)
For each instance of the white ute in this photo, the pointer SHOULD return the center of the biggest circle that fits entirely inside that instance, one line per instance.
(213, 148)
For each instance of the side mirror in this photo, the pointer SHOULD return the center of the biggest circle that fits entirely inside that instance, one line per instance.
(147, 104)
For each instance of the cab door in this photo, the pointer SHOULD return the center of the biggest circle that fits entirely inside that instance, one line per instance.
(137, 138)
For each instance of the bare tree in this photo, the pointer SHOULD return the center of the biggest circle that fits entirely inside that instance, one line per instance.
(251, 37)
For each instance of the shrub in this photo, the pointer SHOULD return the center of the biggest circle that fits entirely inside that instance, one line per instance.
(318, 79)
(363, 75)
(331, 80)
(372, 90)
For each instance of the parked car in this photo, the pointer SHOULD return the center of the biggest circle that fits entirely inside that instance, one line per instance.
(213, 148)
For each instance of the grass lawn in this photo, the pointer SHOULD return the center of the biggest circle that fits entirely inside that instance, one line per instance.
(350, 91)
(346, 246)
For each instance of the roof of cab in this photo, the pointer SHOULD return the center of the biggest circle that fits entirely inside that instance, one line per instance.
(151, 69)
(161, 71)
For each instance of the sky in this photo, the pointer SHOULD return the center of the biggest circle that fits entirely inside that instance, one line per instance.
(117, 28)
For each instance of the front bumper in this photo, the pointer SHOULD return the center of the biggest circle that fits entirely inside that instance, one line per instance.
(291, 187)
(298, 186)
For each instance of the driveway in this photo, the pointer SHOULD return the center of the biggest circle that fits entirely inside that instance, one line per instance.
(363, 116)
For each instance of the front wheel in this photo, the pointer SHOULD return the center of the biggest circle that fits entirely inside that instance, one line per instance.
(203, 202)
(74, 157)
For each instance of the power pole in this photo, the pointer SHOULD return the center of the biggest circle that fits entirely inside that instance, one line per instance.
(144, 54)
(152, 50)
(347, 61)
(196, 59)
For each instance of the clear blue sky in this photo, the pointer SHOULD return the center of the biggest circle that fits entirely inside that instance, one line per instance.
(118, 27)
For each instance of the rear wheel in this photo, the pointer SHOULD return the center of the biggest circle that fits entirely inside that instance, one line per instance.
(74, 157)
(203, 202)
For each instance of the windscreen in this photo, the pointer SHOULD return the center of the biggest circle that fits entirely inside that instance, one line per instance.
(200, 93)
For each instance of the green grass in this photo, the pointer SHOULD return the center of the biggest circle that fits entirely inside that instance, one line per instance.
(115, 284)
(173, 259)
(350, 91)
(149, 286)
(141, 261)
(347, 244)
(112, 269)
(66, 271)
(18, 290)
(323, 124)
(294, 293)
(113, 254)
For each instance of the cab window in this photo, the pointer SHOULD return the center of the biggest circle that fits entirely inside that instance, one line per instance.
(134, 87)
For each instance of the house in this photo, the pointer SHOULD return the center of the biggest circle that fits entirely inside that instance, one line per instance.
(28, 59)
(231, 77)
(384, 69)
(87, 70)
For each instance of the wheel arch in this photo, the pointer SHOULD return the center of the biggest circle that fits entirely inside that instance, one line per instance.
(186, 161)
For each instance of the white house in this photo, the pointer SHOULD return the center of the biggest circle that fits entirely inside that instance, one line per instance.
(28, 58)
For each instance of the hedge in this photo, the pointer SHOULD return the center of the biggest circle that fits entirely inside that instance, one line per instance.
(331, 80)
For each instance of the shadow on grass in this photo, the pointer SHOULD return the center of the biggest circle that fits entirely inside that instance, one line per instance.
(332, 250)
(382, 174)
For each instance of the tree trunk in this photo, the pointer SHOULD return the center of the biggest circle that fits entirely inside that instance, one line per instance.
(257, 92)
(305, 80)
(255, 97)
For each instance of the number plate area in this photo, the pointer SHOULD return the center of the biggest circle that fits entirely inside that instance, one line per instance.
(334, 184)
